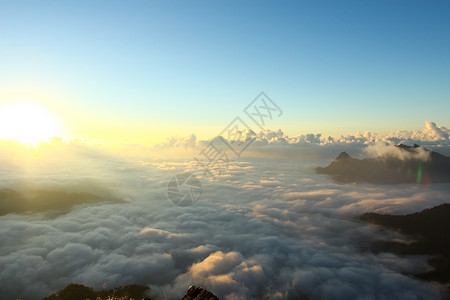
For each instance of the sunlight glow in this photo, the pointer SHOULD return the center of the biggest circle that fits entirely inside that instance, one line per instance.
(27, 122)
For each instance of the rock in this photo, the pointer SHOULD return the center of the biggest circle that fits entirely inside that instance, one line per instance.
(199, 293)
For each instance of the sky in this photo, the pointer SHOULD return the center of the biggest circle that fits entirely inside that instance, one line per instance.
(142, 71)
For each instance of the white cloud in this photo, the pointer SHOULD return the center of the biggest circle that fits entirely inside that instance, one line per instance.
(311, 145)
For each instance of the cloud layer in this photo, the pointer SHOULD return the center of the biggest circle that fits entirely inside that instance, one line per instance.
(277, 143)
(267, 228)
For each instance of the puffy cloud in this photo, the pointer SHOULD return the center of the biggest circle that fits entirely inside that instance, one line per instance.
(436, 133)
(431, 132)
(386, 151)
(188, 142)
(311, 145)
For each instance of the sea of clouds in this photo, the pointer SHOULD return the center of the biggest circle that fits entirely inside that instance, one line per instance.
(268, 227)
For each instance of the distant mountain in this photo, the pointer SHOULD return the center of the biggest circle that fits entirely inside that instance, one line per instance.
(54, 201)
(431, 230)
(406, 164)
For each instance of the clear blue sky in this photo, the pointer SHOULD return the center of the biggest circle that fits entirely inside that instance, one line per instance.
(333, 66)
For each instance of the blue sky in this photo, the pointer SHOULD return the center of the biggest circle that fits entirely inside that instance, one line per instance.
(182, 67)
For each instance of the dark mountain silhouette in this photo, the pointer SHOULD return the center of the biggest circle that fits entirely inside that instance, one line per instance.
(73, 292)
(407, 164)
(429, 228)
(12, 201)
(80, 292)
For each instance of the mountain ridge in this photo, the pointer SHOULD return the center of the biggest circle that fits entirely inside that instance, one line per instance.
(406, 164)
(430, 229)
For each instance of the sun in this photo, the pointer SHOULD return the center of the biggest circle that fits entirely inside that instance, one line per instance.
(27, 122)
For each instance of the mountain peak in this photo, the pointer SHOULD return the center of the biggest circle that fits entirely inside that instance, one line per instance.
(408, 148)
(199, 293)
(343, 155)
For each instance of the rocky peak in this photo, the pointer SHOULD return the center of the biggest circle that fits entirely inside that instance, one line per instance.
(199, 293)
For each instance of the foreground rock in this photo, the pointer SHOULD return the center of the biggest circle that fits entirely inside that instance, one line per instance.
(199, 293)
(129, 292)
(76, 291)
(404, 164)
